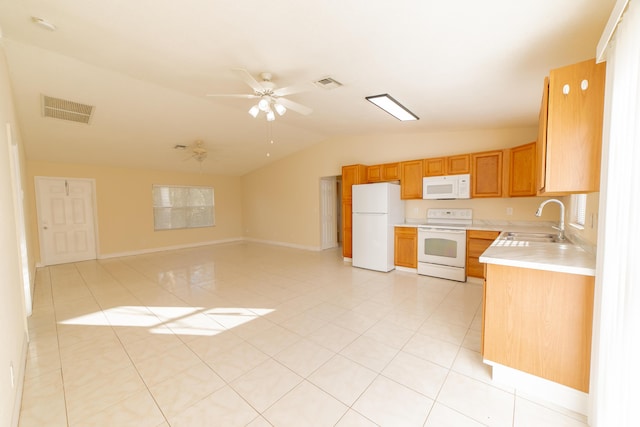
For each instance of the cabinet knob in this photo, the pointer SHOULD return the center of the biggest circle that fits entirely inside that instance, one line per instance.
(566, 89)
(584, 84)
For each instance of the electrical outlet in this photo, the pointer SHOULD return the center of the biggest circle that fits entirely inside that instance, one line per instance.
(509, 211)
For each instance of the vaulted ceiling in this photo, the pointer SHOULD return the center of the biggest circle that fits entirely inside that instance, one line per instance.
(147, 66)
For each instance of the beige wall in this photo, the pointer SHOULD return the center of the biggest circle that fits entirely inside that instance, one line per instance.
(281, 201)
(124, 206)
(12, 306)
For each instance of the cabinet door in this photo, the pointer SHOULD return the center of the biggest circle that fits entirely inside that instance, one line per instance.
(435, 167)
(522, 170)
(457, 165)
(411, 179)
(347, 230)
(477, 242)
(374, 173)
(391, 171)
(541, 143)
(539, 322)
(406, 247)
(486, 174)
(353, 174)
(574, 128)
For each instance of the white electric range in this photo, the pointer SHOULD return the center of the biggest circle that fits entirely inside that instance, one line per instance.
(442, 243)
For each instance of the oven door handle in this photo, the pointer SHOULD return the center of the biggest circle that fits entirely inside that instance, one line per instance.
(443, 230)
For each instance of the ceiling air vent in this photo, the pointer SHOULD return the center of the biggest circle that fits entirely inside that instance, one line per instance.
(327, 83)
(66, 110)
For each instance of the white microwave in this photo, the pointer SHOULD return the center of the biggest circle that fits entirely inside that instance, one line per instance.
(446, 187)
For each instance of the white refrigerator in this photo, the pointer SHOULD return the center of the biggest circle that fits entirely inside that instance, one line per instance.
(376, 209)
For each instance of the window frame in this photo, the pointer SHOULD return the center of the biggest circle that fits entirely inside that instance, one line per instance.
(578, 215)
(179, 209)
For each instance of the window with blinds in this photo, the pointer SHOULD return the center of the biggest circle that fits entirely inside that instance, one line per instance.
(578, 210)
(176, 207)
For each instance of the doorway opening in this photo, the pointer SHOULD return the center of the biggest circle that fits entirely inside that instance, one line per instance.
(330, 214)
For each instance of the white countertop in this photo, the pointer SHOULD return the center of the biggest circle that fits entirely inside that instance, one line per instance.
(559, 257)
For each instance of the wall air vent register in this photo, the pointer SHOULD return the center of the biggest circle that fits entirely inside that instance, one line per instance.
(66, 110)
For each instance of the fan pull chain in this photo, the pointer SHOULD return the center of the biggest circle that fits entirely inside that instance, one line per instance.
(269, 136)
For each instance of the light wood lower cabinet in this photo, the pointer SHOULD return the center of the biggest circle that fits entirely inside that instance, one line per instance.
(406, 247)
(539, 322)
(477, 242)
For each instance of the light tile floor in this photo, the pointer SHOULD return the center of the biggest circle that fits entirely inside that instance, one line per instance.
(248, 334)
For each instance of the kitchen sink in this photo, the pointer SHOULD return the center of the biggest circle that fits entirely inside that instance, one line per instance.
(532, 237)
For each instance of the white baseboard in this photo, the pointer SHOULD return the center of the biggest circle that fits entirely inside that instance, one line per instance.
(199, 244)
(540, 388)
(475, 280)
(19, 372)
(168, 248)
(407, 269)
(288, 245)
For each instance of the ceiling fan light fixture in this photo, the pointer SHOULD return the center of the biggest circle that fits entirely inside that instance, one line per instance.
(253, 111)
(280, 109)
(270, 116)
(393, 107)
(263, 105)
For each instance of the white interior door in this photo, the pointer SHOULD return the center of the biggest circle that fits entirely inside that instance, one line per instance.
(65, 220)
(328, 212)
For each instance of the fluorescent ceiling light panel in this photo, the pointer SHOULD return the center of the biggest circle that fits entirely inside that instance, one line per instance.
(393, 107)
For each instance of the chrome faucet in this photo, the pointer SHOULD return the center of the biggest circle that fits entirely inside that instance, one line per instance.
(561, 225)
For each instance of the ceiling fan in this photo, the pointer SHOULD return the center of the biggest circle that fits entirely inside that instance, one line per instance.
(198, 152)
(270, 99)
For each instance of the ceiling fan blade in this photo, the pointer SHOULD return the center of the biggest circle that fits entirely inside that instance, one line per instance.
(299, 108)
(245, 96)
(289, 90)
(248, 79)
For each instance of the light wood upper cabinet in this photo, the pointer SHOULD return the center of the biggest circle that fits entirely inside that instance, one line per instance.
(522, 170)
(451, 165)
(457, 165)
(570, 158)
(541, 143)
(385, 172)
(435, 167)
(352, 174)
(539, 322)
(391, 171)
(486, 174)
(411, 179)
(374, 173)
(406, 247)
